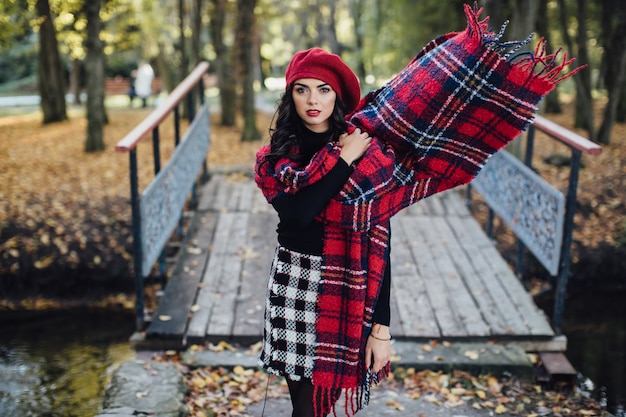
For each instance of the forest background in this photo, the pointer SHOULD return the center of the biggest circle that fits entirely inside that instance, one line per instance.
(79, 231)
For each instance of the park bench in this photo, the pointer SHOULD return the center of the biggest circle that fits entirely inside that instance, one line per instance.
(119, 86)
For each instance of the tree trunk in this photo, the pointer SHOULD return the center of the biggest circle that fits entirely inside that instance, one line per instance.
(335, 46)
(184, 56)
(94, 64)
(357, 15)
(166, 70)
(552, 103)
(51, 78)
(196, 34)
(614, 43)
(621, 105)
(223, 64)
(498, 13)
(196, 25)
(75, 82)
(523, 19)
(584, 100)
(584, 103)
(246, 47)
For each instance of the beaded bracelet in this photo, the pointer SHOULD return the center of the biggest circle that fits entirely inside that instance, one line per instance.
(378, 338)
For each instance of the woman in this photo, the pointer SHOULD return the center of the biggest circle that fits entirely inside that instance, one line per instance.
(310, 120)
(464, 97)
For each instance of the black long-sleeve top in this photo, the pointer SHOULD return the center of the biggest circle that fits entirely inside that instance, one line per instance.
(298, 230)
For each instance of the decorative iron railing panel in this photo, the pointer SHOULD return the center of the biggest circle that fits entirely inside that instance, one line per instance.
(528, 204)
(162, 202)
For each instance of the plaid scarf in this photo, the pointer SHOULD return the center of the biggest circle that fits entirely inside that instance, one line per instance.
(460, 100)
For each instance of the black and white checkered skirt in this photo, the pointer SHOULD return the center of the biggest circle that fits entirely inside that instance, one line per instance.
(290, 314)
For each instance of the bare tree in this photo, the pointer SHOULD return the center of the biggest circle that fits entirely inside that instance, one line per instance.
(223, 63)
(552, 103)
(51, 78)
(523, 18)
(614, 57)
(584, 102)
(331, 30)
(246, 45)
(357, 9)
(196, 32)
(94, 64)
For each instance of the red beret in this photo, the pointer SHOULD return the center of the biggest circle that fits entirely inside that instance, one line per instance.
(322, 65)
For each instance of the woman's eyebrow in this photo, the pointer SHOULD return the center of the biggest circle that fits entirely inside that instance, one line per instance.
(305, 85)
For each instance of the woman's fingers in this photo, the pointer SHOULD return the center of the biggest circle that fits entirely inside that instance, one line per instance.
(377, 354)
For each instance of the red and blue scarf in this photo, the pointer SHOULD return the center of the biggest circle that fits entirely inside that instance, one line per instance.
(435, 125)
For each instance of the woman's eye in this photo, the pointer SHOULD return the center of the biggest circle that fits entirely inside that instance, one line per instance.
(300, 90)
(325, 90)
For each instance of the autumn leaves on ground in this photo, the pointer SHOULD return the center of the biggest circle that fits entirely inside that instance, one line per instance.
(65, 230)
(64, 214)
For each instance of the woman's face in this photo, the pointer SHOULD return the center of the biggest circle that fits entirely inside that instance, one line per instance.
(315, 101)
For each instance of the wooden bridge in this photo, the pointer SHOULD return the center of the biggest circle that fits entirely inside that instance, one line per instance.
(448, 280)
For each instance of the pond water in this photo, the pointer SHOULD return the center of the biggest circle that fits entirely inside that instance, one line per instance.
(57, 364)
(595, 326)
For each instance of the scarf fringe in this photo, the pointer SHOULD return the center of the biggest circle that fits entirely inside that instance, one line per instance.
(539, 64)
(355, 398)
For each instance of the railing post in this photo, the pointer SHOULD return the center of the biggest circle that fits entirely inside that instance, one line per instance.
(528, 161)
(530, 146)
(190, 103)
(205, 170)
(568, 228)
(176, 125)
(156, 149)
(137, 252)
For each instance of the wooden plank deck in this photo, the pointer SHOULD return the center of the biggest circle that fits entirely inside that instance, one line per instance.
(448, 280)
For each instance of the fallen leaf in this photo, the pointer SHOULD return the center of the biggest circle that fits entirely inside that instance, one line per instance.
(142, 394)
(471, 354)
(394, 404)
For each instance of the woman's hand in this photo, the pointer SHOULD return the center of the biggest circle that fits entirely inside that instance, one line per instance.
(377, 351)
(353, 145)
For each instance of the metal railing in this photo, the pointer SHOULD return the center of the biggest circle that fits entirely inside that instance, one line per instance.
(578, 146)
(157, 211)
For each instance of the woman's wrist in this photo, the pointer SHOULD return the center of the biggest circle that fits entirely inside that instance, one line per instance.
(380, 332)
(385, 339)
(347, 159)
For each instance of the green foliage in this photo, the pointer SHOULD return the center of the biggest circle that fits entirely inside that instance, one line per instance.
(408, 25)
(14, 28)
(18, 62)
